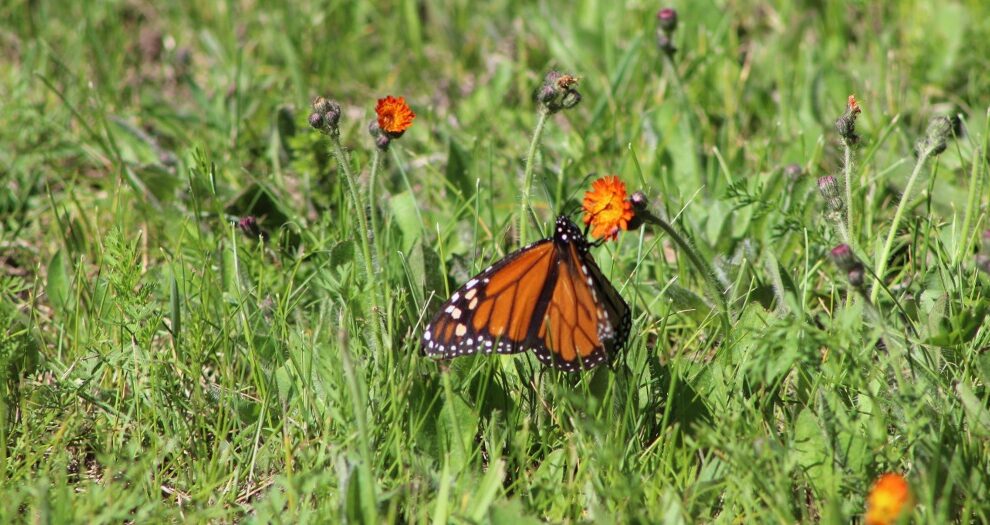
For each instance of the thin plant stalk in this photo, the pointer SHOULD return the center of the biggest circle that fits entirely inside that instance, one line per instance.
(898, 215)
(369, 267)
(376, 162)
(714, 289)
(847, 172)
(525, 207)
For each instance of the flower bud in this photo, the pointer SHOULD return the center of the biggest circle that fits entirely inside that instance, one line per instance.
(793, 170)
(382, 141)
(846, 124)
(316, 120)
(829, 190)
(936, 137)
(321, 105)
(639, 203)
(843, 257)
(325, 116)
(667, 19)
(249, 225)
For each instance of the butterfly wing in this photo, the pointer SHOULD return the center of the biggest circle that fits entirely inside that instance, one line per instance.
(493, 312)
(586, 319)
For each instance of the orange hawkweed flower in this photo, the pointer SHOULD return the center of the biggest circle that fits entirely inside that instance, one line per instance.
(853, 105)
(394, 116)
(606, 208)
(889, 498)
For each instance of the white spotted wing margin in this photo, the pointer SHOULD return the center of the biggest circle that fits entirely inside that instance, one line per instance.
(549, 297)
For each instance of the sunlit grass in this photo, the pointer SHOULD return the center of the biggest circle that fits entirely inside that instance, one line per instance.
(165, 359)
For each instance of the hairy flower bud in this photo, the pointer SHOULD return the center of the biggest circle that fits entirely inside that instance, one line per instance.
(843, 257)
(846, 124)
(316, 120)
(325, 116)
(829, 190)
(793, 170)
(936, 137)
(667, 19)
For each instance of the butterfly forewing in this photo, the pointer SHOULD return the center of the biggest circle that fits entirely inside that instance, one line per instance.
(491, 312)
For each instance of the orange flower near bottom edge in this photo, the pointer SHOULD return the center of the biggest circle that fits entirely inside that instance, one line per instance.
(606, 208)
(889, 498)
(394, 115)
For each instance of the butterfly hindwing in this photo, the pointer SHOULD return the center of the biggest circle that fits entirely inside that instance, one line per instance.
(586, 319)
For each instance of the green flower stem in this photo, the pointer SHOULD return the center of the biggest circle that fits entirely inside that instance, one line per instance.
(898, 214)
(847, 170)
(369, 267)
(376, 162)
(713, 287)
(525, 207)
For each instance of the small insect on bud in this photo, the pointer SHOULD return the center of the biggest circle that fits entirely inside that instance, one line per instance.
(829, 190)
(558, 92)
(321, 105)
(667, 19)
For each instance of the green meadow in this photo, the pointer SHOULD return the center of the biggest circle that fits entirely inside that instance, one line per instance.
(794, 337)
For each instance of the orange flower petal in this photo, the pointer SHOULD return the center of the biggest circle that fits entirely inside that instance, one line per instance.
(606, 208)
(394, 115)
(888, 499)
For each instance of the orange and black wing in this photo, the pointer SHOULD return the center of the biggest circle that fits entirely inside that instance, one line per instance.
(550, 297)
(586, 320)
(494, 311)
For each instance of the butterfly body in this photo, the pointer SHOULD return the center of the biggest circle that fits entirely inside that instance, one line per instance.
(549, 297)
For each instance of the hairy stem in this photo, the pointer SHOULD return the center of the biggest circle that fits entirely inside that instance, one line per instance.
(525, 206)
(369, 266)
(898, 214)
(713, 286)
(847, 172)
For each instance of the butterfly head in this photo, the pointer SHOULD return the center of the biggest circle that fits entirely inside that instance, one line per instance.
(566, 232)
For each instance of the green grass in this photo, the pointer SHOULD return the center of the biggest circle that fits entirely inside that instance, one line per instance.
(159, 365)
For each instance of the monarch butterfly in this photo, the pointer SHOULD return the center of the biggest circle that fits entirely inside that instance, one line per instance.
(549, 296)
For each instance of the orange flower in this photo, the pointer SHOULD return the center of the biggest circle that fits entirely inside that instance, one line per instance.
(394, 116)
(606, 208)
(853, 105)
(889, 498)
